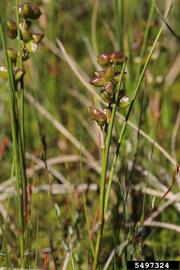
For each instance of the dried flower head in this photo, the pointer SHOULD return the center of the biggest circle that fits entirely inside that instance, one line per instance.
(98, 116)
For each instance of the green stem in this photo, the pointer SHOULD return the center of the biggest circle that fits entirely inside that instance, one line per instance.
(21, 134)
(105, 155)
(119, 23)
(15, 131)
(145, 40)
(93, 26)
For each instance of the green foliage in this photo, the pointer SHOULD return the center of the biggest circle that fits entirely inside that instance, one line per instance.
(63, 220)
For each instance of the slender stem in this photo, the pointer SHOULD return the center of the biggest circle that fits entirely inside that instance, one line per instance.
(21, 134)
(119, 23)
(136, 90)
(105, 156)
(14, 126)
(145, 40)
(93, 26)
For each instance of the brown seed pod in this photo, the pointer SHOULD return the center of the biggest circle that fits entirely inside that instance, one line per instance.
(97, 116)
(29, 11)
(36, 12)
(25, 10)
(11, 29)
(109, 87)
(107, 112)
(117, 58)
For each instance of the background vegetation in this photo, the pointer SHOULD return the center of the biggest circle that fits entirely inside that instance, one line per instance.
(63, 155)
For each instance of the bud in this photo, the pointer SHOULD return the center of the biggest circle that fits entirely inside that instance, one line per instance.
(107, 98)
(25, 10)
(104, 59)
(97, 81)
(97, 116)
(3, 73)
(28, 49)
(124, 102)
(18, 75)
(31, 46)
(107, 112)
(38, 37)
(109, 87)
(12, 53)
(109, 73)
(36, 12)
(117, 58)
(26, 35)
(11, 29)
(29, 11)
(25, 24)
(25, 53)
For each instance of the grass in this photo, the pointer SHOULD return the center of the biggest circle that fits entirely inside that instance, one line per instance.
(87, 207)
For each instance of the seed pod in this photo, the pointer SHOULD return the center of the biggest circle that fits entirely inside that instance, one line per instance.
(29, 11)
(97, 81)
(107, 98)
(109, 73)
(26, 35)
(3, 73)
(25, 53)
(31, 46)
(25, 10)
(38, 37)
(104, 59)
(11, 29)
(97, 116)
(124, 102)
(107, 112)
(36, 12)
(28, 49)
(117, 58)
(18, 75)
(12, 53)
(25, 24)
(109, 87)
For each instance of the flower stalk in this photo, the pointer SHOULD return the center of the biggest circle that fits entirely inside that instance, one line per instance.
(14, 72)
(113, 93)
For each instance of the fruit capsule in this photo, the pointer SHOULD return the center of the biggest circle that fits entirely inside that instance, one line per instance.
(117, 58)
(104, 59)
(98, 116)
(97, 81)
(11, 29)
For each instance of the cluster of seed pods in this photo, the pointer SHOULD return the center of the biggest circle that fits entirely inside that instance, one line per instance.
(28, 12)
(107, 80)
